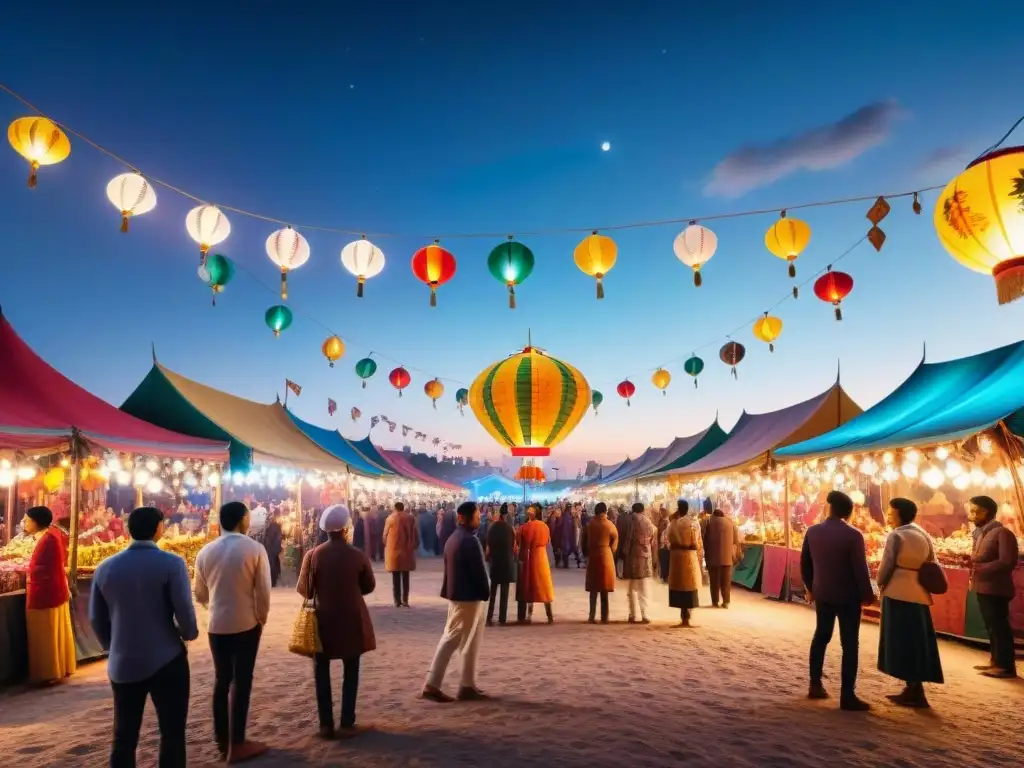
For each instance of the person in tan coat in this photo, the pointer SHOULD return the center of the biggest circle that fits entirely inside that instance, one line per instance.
(600, 543)
(721, 552)
(401, 539)
(686, 550)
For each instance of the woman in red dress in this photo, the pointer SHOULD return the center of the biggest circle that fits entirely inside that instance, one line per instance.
(51, 641)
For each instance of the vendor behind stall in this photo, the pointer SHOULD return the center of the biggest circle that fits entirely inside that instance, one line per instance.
(51, 642)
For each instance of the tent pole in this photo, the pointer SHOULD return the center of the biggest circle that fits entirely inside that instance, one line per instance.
(787, 530)
(9, 515)
(213, 519)
(75, 505)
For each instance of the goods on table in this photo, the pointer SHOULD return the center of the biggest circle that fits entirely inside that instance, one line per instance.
(12, 575)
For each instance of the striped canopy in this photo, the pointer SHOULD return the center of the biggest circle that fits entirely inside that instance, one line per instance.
(530, 401)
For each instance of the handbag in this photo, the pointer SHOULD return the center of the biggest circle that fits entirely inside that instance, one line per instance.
(305, 640)
(932, 578)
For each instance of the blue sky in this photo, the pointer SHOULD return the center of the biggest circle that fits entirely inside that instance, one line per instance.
(456, 118)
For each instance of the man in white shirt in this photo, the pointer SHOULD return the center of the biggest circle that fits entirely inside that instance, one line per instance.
(233, 581)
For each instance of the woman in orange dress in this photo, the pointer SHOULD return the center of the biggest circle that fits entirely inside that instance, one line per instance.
(51, 641)
(534, 583)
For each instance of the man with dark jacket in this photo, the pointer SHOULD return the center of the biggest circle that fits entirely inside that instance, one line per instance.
(721, 552)
(466, 588)
(834, 567)
(992, 564)
(500, 553)
(272, 543)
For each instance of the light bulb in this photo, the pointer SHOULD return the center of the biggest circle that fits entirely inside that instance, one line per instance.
(909, 469)
(155, 485)
(152, 465)
(1003, 478)
(942, 453)
(142, 477)
(122, 477)
(213, 479)
(178, 466)
(890, 474)
(954, 468)
(6, 478)
(914, 456)
(960, 482)
(985, 445)
(888, 458)
(26, 473)
(238, 478)
(868, 466)
(932, 477)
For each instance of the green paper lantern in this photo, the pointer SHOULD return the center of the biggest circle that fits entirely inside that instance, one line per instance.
(365, 368)
(216, 272)
(511, 263)
(278, 318)
(693, 366)
(596, 398)
(462, 398)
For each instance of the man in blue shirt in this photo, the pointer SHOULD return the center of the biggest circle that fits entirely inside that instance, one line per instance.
(141, 610)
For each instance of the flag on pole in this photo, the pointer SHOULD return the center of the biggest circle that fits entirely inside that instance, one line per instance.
(293, 387)
(331, 407)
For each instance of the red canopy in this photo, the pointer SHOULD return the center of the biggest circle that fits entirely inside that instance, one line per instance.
(39, 409)
(403, 467)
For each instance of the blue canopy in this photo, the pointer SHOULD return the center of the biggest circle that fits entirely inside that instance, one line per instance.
(336, 445)
(494, 485)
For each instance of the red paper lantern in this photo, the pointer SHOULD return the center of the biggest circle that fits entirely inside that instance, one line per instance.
(833, 287)
(732, 354)
(400, 379)
(433, 265)
(626, 390)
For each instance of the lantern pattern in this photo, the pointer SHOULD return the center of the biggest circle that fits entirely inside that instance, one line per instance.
(693, 366)
(528, 473)
(787, 239)
(364, 260)
(40, 142)
(511, 263)
(208, 226)
(400, 379)
(979, 218)
(833, 287)
(365, 368)
(132, 195)
(355, 413)
(695, 246)
(462, 399)
(626, 389)
(333, 348)
(595, 256)
(732, 354)
(434, 266)
(661, 379)
(217, 272)
(278, 318)
(530, 401)
(768, 329)
(288, 250)
(434, 389)
(596, 398)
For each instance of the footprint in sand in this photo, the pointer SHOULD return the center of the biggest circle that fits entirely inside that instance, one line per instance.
(82, 749)
(31, 750)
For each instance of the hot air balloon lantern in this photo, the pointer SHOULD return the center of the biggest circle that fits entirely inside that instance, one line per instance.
(693, 366)
(529, 402)
(833, 287)
(364, 260)
(40, 142)
(661, 379)
(695, 246)
(400, 379)
(626, 389)
(511, 263)
(217, 272)
(288, 250)
(767, 329)
(365, 368)
(528, 473)
(596, 398)
(434, 266)
(434, 389)
(787, 238)
(333, 349)
(979, 218)
(278, 318)
(462, 399)
(732, 354)
(355, 413)
(595, 256)
(132, 195)
(208, 226)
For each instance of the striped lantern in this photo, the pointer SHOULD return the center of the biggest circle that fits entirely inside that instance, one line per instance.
(530, 401)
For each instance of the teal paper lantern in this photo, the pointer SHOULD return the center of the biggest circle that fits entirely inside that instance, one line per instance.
(278, 318)
(596, 398)
(217, 272)
(462, 398)
(365, 368)
(511, 263)
(693, 366)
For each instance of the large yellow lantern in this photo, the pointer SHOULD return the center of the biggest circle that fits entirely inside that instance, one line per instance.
(530, 401)
(979, 218)
(787, 238)
(767, 329)
(595, 256)
(333, 349)
(40, 141)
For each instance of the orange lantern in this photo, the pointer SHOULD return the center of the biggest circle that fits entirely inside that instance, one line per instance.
(661, 379)
(434, 389)
(768, 329)
(434, 266)
(333, 349)
(595, 256)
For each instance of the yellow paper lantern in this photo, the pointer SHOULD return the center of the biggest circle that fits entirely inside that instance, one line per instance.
(595, 256)
(979, 218)
(54, 479)
(768, 329)
(333, 349)
(434, 389)
(40, 141)
(661, 379)
(787, 238)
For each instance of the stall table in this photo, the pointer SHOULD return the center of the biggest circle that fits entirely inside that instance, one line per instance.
(747, 572)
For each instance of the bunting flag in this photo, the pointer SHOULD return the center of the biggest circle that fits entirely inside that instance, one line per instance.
(374, 421)
(391, 426)
(293, 387)
(331, 407)
(406, 430)
(421, 436)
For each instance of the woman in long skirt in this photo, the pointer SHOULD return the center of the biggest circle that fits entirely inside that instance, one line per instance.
(686, 550)
(51, 641)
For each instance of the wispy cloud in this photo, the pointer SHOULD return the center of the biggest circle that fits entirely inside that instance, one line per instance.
(819, 149)
(942, 164)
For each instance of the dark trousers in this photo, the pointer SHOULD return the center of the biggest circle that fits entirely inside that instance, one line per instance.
(849, 636)
(721, 583)
(349, 689)
(501, 592)
(604, 605)
(400, 587)
(524, 611)
(565, 559)
(234, 659)
(995, 612)
(169, 689)
(275, 569)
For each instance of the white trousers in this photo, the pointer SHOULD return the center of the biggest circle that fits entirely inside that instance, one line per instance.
(637, 593)
(462, 632)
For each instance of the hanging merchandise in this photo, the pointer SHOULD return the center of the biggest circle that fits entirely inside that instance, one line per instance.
(511, 263)
(216, 273)
(278, 318)
(768, 329)
(661, 379)
(333, 348)
(693, 366)
(626, 389)
(355, 413)
(434, 266)
(979, 218)
(365, 368)
(208, 227)
(732, 353)
(132, 195)
(400, 379)
(462, 399)
(787, 239)
(595, 256)
(288, 250)
(362, 259)
(695, 246)
(596, 398)
(833, 287)
(40, 141)
(434, 389)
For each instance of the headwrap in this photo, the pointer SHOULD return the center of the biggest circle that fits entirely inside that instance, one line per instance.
(335, 518)
(41, 516)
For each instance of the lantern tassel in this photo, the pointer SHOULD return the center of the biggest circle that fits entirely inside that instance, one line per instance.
(600, 286)
(359, 287)
(1009, 277)
(695, 383)
(917, 205)
(771, 347)
(330, 364)
(511, 296)
(277, 332)
(214, 292)
(796, 292)
(399, 393)
(203, 250)
(734, 372)
(628, 404)
(664, 393)
(433, 296)
(32, 175)
(697, 279)
(284, 286)
(364, 385)
(792, 269)
(839, 312)
(124, 220)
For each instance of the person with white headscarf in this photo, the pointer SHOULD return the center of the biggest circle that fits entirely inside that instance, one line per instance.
(336, 576)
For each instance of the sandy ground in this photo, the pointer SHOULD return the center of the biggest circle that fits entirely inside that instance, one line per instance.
(730, 693)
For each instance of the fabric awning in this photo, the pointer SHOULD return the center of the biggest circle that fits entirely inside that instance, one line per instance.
(683, 449)
(402, 465)
(335, 443)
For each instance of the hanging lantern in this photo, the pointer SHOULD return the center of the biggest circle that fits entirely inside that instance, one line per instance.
(132, 195)
(693, 366)
(595, 256)
(768, 329)
(208, 226)
(216, 273)
(333, 348)
(695, 246)
(278, 318)
(511, 263)
(787, 239)
(661, 379)
(40, 141)
(400, 379)
(288, 250)
(979, 218)
(355, 413)
(732, 353)
(54, 479)
(596, 398)
(528, 473)
(626, 390)
(434, 266)
(434, 389)
(365, 368)
(833, 287)
(364, 260)
(462, 399)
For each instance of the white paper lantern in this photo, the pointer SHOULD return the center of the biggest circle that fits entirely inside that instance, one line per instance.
(132, 195)
(208, 226)
(695, 246)
(288, 250)
(364, 260)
